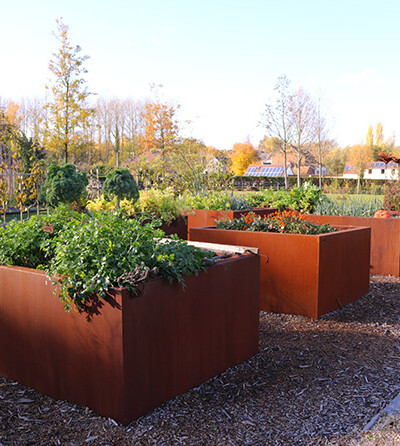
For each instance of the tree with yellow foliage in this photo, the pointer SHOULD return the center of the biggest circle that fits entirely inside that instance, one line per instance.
(370, 138)
(68, 112)
(359, 157)
(243, 154)
(379, 135)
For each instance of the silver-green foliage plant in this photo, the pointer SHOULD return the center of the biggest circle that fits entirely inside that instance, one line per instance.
(217, 201)
(348, 206)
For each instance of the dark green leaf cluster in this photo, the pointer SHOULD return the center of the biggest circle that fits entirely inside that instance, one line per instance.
(121, 184)
(63, 185)
(26, 243)
(90, 255)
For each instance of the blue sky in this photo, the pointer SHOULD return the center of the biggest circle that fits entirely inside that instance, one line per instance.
(219, 59)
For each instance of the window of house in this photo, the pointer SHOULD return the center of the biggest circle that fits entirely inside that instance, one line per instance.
(369, 171)
(383, 171)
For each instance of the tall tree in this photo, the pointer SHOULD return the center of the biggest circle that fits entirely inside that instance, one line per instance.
(161, 128)
(67, 111)
(379, 135)
(323, 144)
(276, 119)
(370, 137)
(303, 117)
(359, 157)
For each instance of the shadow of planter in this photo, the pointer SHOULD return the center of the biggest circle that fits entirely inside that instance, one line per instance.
(204, 217)
(385, 240)
(308, 275)
(132, 353)
(177, 226)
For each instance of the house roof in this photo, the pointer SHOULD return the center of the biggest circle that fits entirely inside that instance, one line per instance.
(267, 170)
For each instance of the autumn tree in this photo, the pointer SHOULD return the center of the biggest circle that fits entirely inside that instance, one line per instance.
(161, 128)
(336, 161)
(243, 154)
(379, 134)
(67, 111)
(303, 118)
(369, 142)
(359, 157)
(276, 119)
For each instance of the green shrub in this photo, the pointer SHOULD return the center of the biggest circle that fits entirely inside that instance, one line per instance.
(63, 185)
(303, 198)
(152, 203)
(216, 201)
(120, 184)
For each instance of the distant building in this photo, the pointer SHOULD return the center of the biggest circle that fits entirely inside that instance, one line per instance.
(273, 166)
(374, 171)
(269, 170)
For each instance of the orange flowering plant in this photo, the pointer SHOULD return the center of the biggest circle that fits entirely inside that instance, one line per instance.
(291, 222)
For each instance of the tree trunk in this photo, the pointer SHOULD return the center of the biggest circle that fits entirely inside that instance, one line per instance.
(285, 170)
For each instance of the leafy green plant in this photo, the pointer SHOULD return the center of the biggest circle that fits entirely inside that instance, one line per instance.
(90, 255)
(303, 198)
(152, 203)
(284, 222)
(63, 185)
(216, 201)
(159, 204)
(120, 184)
(26, 243)
(112, 251)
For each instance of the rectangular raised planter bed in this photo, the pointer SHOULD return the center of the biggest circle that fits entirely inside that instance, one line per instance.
(204, 217)
(131, 353)
(385, 240)
(307, 275)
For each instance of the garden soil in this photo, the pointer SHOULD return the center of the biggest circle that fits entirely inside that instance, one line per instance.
(313, 382)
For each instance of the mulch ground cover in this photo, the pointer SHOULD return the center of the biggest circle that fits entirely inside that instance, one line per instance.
(313, 382)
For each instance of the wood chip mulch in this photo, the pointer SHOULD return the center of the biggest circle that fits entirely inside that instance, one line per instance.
(312, 383)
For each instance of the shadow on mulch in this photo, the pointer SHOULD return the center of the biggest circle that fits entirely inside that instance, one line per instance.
(312, 383)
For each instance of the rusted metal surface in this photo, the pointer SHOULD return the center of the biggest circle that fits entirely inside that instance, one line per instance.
(177, 226)
(385, 240)
(130, 354)
(307, 275)
(204, 217)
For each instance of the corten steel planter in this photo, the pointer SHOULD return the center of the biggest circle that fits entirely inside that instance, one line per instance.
(385, 240)
(177, 226)
(130, 354)
(204, 217)
(307, 275)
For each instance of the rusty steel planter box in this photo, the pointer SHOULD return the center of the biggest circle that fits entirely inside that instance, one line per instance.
(385, 240)
(204, 217)
(136, 352)
(307, 275)
(177, 226)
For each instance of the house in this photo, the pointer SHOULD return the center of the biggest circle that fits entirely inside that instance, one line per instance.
(268, 170)
(272, 166)
(377, 170)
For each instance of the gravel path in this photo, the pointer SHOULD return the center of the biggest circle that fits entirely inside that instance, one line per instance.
(312, 383)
